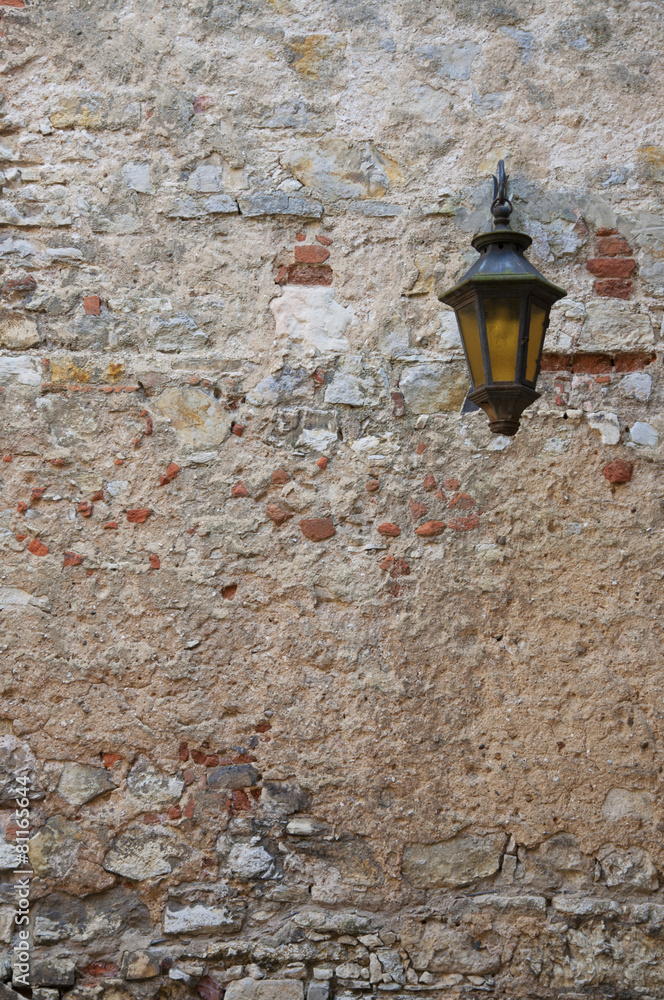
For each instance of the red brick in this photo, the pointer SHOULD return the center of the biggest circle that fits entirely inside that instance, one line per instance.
(322, 462)
(612, 246)
(325, 240)
(603, 231)
(281, 277)
(262, 727)
(72, 559)
(58, 462)
(238, 430)
(429, 483)
(21, 538)
(462, 501)
(110, 525)
(400, 568)
(98, 969)
(37, 548)
(38, 493)
(151, 819)
(277, 514)
(279, 477)
(26, 284)
(430, 529)
(155, 562)
(556, 363)
(202, 103)
(451, 484)
(163, 480)
(465, 523)
(417, 509)
(603, 379)
(198, 756)
(208, 989)
(109, 759)
(239, 801)
(92, 305)
(633, 361)
(372, 486)
(239, 490)
(613, 288)
(85, 508)
(148, 426)
(174, 812)
(421, 448)
(172, 470)
(228, 592)
(592, 364)
(389, 529)
(317, 529)
(21, 506)
(190, 809)
(619, 471)
(118, 461)
(99, 495)
(12, 3)
(189, 776)
(300, 237)
(319, 377)
(139, 515)
(183, 752)
(398, 404)
(8, 458)
(611, 267)
(310, 274)
(311, 255)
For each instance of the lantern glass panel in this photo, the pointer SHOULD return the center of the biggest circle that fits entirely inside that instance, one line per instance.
(467, 317)
(535, 337)
(502, 317)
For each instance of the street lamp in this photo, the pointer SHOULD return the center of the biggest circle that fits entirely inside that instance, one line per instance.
(502, 306)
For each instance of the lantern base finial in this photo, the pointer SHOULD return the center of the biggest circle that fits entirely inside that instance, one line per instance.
(503, 403)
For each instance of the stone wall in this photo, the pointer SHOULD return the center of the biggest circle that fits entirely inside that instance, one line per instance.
(283, 738)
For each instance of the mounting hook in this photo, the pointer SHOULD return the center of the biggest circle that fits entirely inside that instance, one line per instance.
(501, 206)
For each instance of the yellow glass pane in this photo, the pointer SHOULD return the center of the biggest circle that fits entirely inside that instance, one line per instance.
(502, 332)
(467, 319)
(535, 335)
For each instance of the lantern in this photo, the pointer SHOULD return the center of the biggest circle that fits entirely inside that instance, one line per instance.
(502, 306)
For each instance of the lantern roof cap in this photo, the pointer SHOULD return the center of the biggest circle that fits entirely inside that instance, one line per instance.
(501, 261)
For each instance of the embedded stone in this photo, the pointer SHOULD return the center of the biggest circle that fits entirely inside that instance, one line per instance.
(645, 434)
(79, 783)
(152, 786)
(628, 867)
(140, 965)
(137, 177)
(459, 861)
(139, 854)
(18, 333)
(247, 861)
(606, 424)
(446, 949)
(626, 804)
(345, 388)
(433, 388)
(611, 326)
(198, 420)
(233, 776)
(52, 972)
(193, 918)
(205, 178)
(265, 989)
(312, 315)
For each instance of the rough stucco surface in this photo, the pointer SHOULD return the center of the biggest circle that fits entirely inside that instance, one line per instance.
(275, 750)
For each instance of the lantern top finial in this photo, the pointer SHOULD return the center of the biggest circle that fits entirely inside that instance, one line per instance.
(501, 206)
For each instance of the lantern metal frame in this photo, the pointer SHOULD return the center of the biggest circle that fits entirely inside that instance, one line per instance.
(502, 274)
